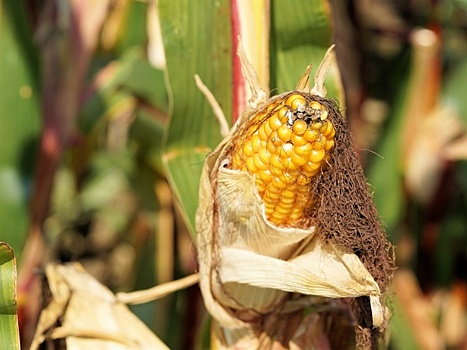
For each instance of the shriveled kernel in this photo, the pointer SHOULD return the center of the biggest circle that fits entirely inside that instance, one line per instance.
(329, 145)
(299, 127)
(284, 133)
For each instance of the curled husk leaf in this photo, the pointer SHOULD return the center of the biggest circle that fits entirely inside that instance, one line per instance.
(251, 268)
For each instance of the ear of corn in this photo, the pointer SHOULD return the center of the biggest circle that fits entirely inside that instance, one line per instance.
(284, 146)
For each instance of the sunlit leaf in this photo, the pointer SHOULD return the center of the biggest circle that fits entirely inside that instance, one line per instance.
(301, 34)
(197, 41)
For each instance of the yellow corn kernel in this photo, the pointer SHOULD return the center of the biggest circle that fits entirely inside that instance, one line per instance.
(250, 165)
(323, 115)
(303, 150)
(282, 210)
(298, 140)
(290, 165)
(316, 105)
(265, 175)
(299, 127)
(284, 133)
(316, 126)
(311, 135)
(276, 162)
(317, 156)
(248, 149)
(285, 151)
(275, 121)
(262, 132)
(327, 129)
(273, 195)
(295, 101)
(320, 143)
(264, 155)
(278, 217)
(297, 159)
(255, 143)
(259, 165)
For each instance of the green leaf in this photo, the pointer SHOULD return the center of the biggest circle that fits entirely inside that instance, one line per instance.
(385, 170)
(402, 335)
(197, 40)
(454, 91)
(9, 332)
(19, 121)
(301, 34)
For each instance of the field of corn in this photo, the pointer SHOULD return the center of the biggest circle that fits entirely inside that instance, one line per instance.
(109, 108)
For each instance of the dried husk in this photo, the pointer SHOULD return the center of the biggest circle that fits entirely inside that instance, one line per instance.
(250, 269)
(87, 315)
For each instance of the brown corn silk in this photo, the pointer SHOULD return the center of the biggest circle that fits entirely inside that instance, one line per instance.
(259, 273)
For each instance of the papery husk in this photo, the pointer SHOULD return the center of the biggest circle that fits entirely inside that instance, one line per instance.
(87, 315)
(251, 270)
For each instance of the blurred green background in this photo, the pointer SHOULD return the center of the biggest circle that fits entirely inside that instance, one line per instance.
(103, 135)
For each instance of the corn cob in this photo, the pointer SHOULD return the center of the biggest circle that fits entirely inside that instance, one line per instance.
(284, 146)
